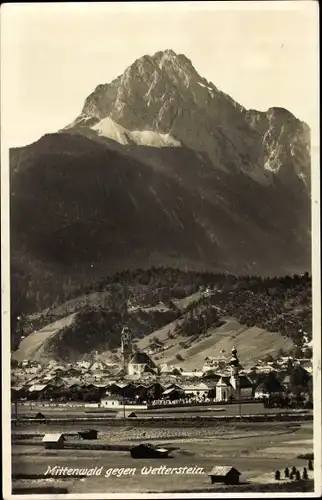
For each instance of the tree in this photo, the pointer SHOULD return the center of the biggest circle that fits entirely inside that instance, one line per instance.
(308, 353)
(298, 352)
(299, 379)
(280, 353)
(271, 383)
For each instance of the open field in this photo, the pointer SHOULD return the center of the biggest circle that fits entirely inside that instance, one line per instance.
(256, 450)
(69, 410)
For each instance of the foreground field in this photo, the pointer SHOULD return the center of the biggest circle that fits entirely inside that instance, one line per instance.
(66, 410)
(256, 450)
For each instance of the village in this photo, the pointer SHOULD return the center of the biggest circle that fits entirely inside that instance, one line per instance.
(135, 412)
(245, 422)
(137, 381)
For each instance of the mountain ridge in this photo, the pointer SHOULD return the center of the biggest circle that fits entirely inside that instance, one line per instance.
(229, 191)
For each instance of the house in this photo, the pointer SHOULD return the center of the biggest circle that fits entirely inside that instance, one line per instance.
(155, 388)
(194, 373)
(75, 387)
(224, 474)
(307, 365)
(40, 418)
(148, 451)
(287, 381)
(125, 414)
(112, 401)
(211, 376)
(56, 381)
(155, 347)
(199, 390)
(99, 366)
(165, 368)
(173, 393)
(72, 372)
(270, 385)
(59, 372)
(116, 402)
(54, 441)
(83, 364)
(88, 433)
(173, 385)
(122, 388)
(261, 392)
(101, 386)
(38, 388)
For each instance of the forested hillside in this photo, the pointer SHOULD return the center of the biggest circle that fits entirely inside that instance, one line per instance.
(149, 300)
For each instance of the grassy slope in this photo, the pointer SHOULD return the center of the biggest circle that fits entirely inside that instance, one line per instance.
(34, 345)
(252, 343)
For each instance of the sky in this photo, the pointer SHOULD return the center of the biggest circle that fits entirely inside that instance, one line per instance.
(262, 54)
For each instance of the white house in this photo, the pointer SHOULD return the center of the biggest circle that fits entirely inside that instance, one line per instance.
(195, 373)
(261, 392)
(199, 390)
(116, 402)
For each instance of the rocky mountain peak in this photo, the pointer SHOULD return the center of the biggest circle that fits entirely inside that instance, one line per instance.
(150, 82)
(161, 168)
(163, 96)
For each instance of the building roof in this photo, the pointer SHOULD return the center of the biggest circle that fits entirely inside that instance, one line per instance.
(222, 470)
(101, 384)
(98, 366)
(171, 390)
(126, 414)
(39, 415)
(17, 387)
(224, 381)
(141, 358)
(244, 382)
(113, 397)
(211, 374)
(201, 386)
(261, 388)
(52, 438)
(37, 387)
(148, 369)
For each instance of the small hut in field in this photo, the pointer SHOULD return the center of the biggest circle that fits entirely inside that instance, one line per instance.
(126, 414)
(224, 474)
(54, 441)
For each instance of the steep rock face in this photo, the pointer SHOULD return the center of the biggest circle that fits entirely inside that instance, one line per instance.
(164, 93)
(162, 168)
(286, 143)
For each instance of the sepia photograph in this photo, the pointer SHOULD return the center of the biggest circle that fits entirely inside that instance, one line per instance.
(160, 223)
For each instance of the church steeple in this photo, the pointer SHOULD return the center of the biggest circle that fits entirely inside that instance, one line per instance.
(126, 346)
(234, 368)
(234, 362)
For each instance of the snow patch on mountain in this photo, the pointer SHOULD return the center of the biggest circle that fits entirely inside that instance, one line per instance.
(112, 130)
(205, 86)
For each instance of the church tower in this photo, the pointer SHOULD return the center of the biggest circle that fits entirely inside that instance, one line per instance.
(126, 347)
(234, 372)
